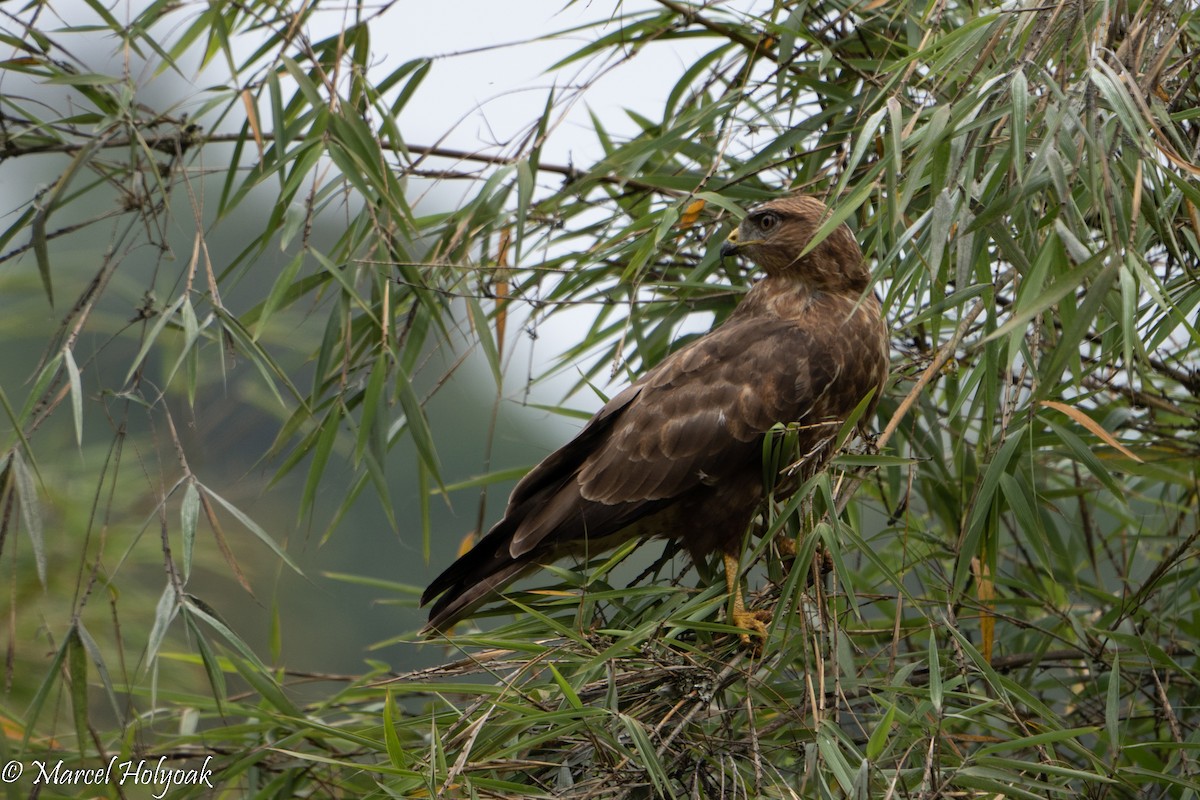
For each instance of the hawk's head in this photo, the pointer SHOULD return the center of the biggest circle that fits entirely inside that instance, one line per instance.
(775, 235)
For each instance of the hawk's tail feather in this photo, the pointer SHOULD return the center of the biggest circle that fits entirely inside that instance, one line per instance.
(469, 591)
(476, 575)
(488, 555)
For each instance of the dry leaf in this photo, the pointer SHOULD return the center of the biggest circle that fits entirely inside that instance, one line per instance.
(985, 592)
(692, 213)
(1093, 426)
(252, 118)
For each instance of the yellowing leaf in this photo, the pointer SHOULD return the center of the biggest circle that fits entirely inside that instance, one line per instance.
(692, 213)
(252, 118)
(1093, 426)
(985, 592)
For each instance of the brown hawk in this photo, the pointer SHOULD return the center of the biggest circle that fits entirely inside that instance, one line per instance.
(678, 454)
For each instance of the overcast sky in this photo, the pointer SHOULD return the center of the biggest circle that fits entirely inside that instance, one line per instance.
(490, 82)
(498, 91)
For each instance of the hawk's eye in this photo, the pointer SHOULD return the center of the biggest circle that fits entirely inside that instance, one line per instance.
(767, 220)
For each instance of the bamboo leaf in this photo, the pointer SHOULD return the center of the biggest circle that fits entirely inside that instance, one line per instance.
(51, 677)
(164, 615)
(189, 515)
(31, 511)
(151, 338)
(78, 674)
(1093, 426)
(266, 687)
(418, 427)
(1112, 707)
(395, 749)
(76, 388)
(82, 157)
(936, 696)
(249, 524)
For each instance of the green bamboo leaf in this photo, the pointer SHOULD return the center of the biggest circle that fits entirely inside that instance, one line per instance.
(417, 67)
(418, 427)
(164, 615)
(31, 510)
(981, 505)
(423, 493)
(1112, 708)
(275, 635)
(262, 682)
(195, 607)
(187, 352)
(306, 86)
(944, 212)
(272, 373)
(97, 658)
(648, 758)
(189, 515)
(57, 194)
(834, 759)
(1074, 332)
(83, 79)
(684, 86)
(936, 696)
(280, 291)
(78, 674)
(845, 207)
(1039, 302)
(50, 679)
(342, 277)
(879, 736)
(251, 526)
(1112, 88)
(167, 315)
(568, 691)
(76, 389)
(208, 659)
(1019, 91)
(487, 339)
(370, 422)
(1037, 740)
(395, 749)
(17, 227)
(498, 476)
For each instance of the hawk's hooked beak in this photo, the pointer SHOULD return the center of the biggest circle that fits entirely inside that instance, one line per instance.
(730, 246)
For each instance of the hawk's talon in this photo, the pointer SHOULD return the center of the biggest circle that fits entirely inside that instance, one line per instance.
(755, 622)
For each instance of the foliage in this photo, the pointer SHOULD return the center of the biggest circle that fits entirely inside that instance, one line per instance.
(1004, 600)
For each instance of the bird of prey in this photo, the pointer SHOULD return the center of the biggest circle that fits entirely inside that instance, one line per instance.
(678, 454)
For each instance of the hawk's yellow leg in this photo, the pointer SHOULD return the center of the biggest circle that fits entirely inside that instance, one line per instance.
(752, 621)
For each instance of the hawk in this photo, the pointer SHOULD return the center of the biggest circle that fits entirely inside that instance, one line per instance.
(678, 454)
